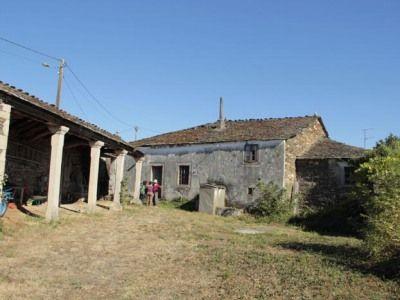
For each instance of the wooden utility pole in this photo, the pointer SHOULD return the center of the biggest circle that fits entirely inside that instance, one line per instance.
(60, 78)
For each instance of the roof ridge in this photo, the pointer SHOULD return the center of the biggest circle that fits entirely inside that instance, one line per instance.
(272, 118)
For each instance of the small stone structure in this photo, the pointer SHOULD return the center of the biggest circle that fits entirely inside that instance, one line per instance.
(211, 198)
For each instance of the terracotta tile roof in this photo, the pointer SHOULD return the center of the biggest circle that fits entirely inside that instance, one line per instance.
(241, 130)
(327, 148)
(51, 108)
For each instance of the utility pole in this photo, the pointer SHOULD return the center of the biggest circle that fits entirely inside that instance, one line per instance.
(136, 131)
(60, 78)
(365, 136)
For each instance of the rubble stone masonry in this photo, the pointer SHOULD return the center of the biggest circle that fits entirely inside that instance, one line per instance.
(296, 147)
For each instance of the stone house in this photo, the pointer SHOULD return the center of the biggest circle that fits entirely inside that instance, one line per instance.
(295, 153)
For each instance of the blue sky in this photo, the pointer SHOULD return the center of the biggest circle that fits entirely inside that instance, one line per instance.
(162, 65)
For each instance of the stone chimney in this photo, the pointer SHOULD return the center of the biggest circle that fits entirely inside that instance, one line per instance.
(221, 114)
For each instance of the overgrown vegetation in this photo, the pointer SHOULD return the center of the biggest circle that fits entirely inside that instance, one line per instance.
(378, 183)
(271, 203)
(371, 210)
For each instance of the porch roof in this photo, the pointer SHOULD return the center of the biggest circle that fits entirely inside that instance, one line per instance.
(48, 113)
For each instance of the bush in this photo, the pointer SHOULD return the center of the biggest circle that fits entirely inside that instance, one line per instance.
(378, 181)
(271, 202)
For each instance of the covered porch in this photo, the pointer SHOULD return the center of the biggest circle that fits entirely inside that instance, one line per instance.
(49, 156)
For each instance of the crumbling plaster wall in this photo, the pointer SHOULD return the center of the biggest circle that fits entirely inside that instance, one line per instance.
(222, 163)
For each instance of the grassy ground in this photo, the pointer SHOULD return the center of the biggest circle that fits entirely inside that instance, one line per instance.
(167, 253)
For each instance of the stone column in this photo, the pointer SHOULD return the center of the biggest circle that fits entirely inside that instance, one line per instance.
(119, 174)
(94, 174)
(53, 194)
(5, 112)
(138, 178)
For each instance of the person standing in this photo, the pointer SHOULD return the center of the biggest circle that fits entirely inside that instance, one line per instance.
(149, 193)
(156, 188)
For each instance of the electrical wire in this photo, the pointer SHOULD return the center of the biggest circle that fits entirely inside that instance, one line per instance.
(23, 57)
(94, 98)
(69, 87)
(75, 99)
(30, 49)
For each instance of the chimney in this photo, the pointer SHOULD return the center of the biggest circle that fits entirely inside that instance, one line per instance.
(221, 114)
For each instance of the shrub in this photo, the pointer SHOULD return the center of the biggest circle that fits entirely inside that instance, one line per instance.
(271, 202)
(378, 181)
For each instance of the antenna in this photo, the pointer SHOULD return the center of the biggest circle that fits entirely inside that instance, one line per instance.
(136, 131)
(366, 137)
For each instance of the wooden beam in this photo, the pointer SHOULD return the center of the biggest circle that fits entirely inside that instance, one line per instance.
(42, 135)
(76, 144)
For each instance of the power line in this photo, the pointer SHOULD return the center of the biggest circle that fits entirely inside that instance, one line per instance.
(94, 98)
(74, 98)
(30, 49)
(68, 86)
(23, 57)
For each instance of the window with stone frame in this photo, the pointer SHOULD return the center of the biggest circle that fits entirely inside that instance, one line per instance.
(250, 153)
(184, 175)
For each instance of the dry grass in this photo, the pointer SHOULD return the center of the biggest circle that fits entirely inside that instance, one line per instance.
(166, 253)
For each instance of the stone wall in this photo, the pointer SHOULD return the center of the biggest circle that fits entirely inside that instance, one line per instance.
(27, 166)
(321, 181)
(221, 163)
(297, 146)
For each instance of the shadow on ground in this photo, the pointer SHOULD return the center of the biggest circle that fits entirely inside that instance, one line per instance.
(339, 219)
(350, 257)
(25, 211)
(182, 203)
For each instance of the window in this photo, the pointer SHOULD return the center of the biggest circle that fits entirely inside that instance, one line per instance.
(184, 175)
(348, 175)
(251, 153)
(250, 191)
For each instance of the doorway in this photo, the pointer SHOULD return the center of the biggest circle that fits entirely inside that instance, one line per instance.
(157, 173)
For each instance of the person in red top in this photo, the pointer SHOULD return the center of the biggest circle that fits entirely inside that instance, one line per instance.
(149, 193)
(156, 188)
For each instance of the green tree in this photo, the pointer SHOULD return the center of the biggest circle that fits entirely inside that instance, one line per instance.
(379, 184)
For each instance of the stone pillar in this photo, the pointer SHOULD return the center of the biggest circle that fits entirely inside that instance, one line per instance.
(53, 194)
(119, 174)
(94, 174)
(5, 112)
(138, 178)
